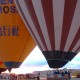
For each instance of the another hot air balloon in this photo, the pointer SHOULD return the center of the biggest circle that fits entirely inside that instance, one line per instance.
(55, 25)
(15, 41)
(2, 67)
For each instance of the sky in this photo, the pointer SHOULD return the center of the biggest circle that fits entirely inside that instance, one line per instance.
(37, 62)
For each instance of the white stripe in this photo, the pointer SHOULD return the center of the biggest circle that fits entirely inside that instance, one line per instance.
(58, 12)
(74, 27)
(78, 51)
(76, 46)
(40, 15)
(22, 17)
(27, 15)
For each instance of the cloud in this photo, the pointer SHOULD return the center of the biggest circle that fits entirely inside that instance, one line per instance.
(35, 58)
(35, 63)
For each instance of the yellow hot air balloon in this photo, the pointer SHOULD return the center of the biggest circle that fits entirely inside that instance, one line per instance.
(15, 41)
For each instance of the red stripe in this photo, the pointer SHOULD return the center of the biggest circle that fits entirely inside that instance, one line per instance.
(48, 14)
(28, 24)
(77, 37)
(35, 21)
(67, 20)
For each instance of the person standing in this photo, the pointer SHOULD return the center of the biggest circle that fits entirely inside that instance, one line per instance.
(38, 76)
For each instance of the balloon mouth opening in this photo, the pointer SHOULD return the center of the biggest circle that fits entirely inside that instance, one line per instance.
(57, 59)
(56, 63)
(10, 65)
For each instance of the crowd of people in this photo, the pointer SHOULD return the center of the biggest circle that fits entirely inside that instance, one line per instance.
(59, 75)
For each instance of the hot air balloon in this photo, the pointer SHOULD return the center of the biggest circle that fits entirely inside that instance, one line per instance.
(16, 42)
(55, 26)
(2, 67)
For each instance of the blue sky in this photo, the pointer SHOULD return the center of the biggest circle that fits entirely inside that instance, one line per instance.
(37, 62)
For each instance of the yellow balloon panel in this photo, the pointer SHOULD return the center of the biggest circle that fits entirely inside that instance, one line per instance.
(15, 41)
(30, 43)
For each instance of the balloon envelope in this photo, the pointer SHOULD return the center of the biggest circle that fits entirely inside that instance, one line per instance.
(15, 41)
(55, 25)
